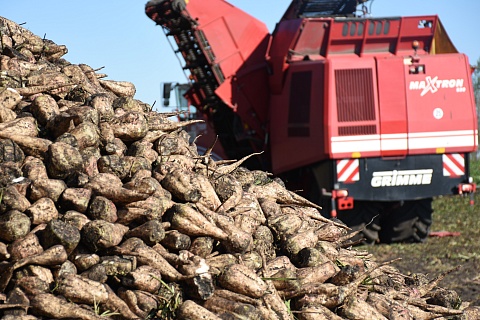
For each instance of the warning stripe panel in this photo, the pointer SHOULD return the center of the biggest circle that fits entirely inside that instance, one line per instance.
(453, 165)
(348, 170)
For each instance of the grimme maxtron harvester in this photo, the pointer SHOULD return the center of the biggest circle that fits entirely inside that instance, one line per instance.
(372, 117)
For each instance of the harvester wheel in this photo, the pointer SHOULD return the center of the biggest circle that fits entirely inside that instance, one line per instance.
(364, 216)
(409, 221)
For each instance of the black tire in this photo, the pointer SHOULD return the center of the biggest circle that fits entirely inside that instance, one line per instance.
(409, 222)
(364, 216)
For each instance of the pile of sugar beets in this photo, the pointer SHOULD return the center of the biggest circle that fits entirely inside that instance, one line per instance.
(108, 210)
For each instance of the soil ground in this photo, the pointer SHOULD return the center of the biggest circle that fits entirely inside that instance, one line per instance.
(460, 247)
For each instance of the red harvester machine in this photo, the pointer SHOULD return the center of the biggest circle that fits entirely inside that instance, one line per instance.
(371, 117)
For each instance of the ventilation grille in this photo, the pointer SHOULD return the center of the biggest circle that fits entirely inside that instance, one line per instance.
(355, 101)
(357, 130)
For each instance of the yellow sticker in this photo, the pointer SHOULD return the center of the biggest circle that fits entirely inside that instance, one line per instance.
(356, 155)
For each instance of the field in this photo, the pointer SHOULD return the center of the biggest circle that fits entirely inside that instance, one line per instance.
(460, 247)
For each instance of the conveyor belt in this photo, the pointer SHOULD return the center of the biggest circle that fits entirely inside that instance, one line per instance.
(168, 14)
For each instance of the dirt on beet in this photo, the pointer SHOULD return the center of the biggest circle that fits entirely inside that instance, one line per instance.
(455, 241)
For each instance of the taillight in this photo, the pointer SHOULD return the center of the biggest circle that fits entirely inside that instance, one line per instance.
(342, 193)
(467, 188)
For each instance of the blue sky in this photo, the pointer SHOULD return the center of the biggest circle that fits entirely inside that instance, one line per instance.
(118, 36)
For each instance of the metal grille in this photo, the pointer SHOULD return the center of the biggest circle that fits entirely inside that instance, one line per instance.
(357, 130)
(355, 98)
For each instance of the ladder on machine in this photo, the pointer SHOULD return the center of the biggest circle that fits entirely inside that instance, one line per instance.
(190, 42)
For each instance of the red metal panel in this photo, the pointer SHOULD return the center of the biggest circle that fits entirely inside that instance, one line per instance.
(291, 152)
(227, 54)
(352, 113)
(313, 38)
(419, 28)
(232, 34)
(393, 109)
(346, 37)
(440, 107)
(381, 35)
(282, 41)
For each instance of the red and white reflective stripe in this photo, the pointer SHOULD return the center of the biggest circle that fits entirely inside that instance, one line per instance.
(453, 165)
(446, 139)
(402, 141)
(348, 170)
